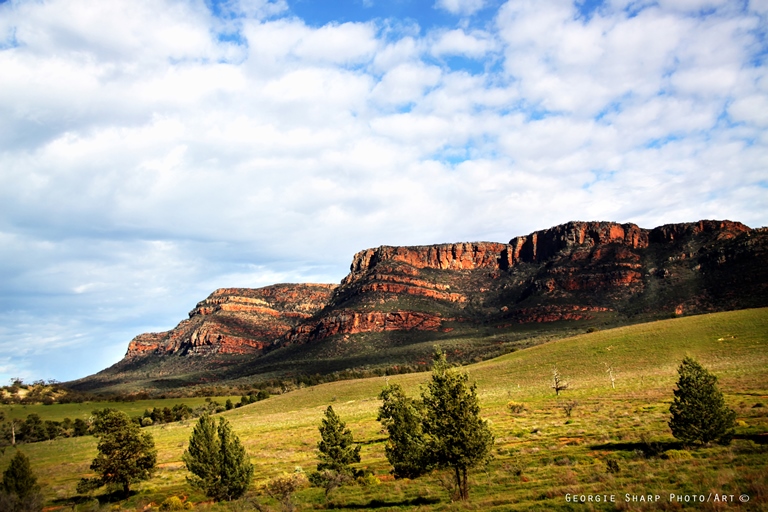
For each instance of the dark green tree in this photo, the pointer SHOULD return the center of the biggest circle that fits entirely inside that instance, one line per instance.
(217, 460)
(126, 455)
(699, 413)
(336, 447)
(19, 490)
(406, 447)
(337, 453)
(458, 439)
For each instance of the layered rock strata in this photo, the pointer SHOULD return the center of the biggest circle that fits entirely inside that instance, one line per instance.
(237, 321)
(571, 272)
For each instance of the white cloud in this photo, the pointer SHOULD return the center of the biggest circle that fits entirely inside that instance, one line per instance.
(406, 83)
(460, 7)
(458, 42)
(147, 161)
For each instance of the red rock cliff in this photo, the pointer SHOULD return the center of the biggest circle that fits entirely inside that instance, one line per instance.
(237, 320)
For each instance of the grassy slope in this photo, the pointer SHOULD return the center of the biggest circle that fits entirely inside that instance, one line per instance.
(555, 455)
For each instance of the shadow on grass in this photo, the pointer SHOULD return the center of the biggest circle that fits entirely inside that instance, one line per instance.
(384, 503)
(373, 441)
(651, 449)
(103, 499)
(654, 448)
(756, 438)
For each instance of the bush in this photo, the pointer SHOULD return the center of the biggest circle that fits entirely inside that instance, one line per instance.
(368, 480)
(173, 503)
(515, 407)
(281, 488)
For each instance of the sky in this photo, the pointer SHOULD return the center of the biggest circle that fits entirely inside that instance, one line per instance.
(152, 151)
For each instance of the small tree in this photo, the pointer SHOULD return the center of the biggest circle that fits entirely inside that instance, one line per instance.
(402, 417)
(336, 447)
(217, 460)
(699, 413)
(19, 490)
(458, 438)
(126, 455)
(337, 453)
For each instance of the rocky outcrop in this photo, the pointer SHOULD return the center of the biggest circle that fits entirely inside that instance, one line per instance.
(354, 322)
(237, 321)
(460, 256)
(571, 272)
(722, 229)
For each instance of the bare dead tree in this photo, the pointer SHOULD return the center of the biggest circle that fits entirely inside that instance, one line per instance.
(609, 371)
(558, 384)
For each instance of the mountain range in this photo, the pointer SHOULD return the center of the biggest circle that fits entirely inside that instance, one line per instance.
(477, 299)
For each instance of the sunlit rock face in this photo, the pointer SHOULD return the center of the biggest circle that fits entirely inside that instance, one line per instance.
(571, 272)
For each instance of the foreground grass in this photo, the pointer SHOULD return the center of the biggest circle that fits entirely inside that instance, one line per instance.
(541, 454)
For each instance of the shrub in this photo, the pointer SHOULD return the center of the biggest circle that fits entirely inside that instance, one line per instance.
(172, 503)
(569, 406)
(368, 480)
(281, 488)
(515, 407)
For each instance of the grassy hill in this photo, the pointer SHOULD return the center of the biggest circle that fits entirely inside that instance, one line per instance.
(541, 454)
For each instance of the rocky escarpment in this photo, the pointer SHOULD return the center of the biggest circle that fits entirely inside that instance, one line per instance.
(573, 271)
(236, 321)
(475, 297)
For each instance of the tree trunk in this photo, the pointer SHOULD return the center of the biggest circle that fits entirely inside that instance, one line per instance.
(465, 488)
(13, 432)
(458, 482)
(126, 488)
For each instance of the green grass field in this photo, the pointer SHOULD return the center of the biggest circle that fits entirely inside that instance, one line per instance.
(541, 455)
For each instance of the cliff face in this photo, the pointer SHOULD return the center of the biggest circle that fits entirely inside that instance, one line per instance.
(236, 321)
(571, 272)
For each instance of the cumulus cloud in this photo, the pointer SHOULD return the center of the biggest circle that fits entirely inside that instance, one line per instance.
(154, 151)
(458, 42)
(460, 7)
